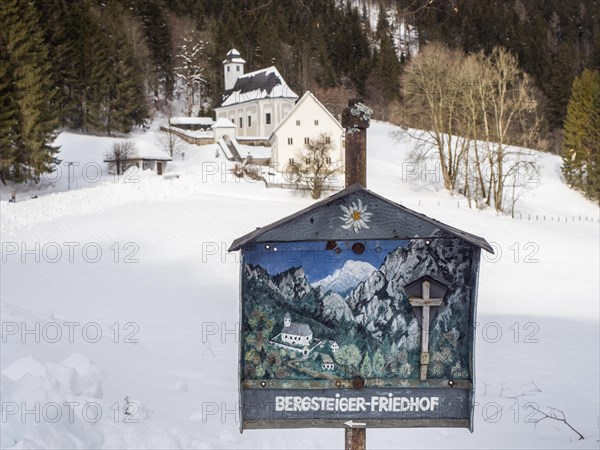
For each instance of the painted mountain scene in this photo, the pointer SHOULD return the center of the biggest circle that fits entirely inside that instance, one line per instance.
(329, 310)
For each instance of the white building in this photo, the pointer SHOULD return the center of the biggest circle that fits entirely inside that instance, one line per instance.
(223, 127)
(306, 122)
(327, 362)
(296, 333)
(146, 157)
(255, 102)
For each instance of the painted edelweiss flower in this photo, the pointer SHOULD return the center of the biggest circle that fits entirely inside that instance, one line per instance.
(355, 216)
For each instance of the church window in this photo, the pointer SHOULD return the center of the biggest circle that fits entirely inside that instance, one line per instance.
(268, 119)
(297, 123)
(249, 121)
(316, 122)
(290, 141)
(307, 140)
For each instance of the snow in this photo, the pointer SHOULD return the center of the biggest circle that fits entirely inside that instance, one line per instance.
(255, 151)
(123, 288)
(222, 122)
(351, 273)
(206, 121)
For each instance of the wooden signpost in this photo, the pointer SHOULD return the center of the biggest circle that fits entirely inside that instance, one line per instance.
(357, 312)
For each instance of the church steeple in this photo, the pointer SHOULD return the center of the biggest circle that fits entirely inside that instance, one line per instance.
(233, 67)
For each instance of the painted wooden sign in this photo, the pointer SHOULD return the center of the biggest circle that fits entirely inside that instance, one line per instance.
(357, 310)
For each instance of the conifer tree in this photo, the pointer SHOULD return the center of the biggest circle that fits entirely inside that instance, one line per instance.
(387, 65)
(27, 152)
(8, 120)
(581, 150)
(114, 92)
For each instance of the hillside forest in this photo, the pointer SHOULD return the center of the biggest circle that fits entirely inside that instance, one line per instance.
(105, 67)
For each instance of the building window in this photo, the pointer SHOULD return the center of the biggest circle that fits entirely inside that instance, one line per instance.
(249, 121)
(237, 68)
(241, 122)
(291, 160)
(307, 141)
(268, 119)
(328, 160)
(228, 68)
(316, 122)
(328, 140)
(297, 123)
(290, 141)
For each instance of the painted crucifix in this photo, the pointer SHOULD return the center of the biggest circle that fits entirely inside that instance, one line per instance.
(425, 302)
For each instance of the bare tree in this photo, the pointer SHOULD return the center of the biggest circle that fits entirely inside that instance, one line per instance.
(313, 166)
(433, 88)
(170, 142)
(119, 156)
(473, 108)
(506, 95)
(553, 414)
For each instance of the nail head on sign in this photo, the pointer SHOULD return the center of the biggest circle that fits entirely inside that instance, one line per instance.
(358, 248)
(358, 382)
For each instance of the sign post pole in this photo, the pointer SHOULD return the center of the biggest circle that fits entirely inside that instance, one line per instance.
(355, 120)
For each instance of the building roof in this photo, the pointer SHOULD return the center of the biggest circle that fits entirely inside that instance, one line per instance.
(297, 329)
(233, 56)
(264, 83)
(297, 106)
(191, 121)
(145, 152)
(326, 358)
(323, 222)
(222, 122)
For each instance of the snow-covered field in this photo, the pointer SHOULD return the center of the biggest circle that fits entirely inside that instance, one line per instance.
(122, 288)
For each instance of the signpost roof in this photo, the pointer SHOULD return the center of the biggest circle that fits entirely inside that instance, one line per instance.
(324, 221)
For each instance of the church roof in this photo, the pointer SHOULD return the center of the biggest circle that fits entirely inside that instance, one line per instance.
(233, 56)
(264, 83)
(144, 152)
(297, 329)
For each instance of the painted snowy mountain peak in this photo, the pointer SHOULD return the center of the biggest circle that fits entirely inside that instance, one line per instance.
(347, 278)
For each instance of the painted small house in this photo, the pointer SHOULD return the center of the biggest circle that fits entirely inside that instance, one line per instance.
(400, 317)
(327, 362)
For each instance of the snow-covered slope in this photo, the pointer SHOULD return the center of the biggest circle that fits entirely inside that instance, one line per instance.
(346, 278)
(123, 288)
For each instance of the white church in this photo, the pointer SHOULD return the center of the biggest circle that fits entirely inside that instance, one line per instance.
(264, 107)
(255, 102)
